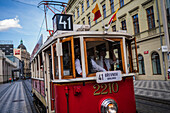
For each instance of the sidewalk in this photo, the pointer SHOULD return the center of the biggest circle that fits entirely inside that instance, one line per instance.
(153, 89)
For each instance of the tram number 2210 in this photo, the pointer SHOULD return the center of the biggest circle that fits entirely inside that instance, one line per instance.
(103, 88)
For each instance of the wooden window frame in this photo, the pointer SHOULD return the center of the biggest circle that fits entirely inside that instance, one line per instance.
(112, 3)
(82, 8)
(157, 73)
(131, 57)
(114, 26)
(135, 21)
(78, 13)
(143, 66)
(123, 24)
(88, 4)
(53, 60)
(100, 39)
(89, 21)
(152, 17)
(73, 59)
(104, 10)
(121, 3)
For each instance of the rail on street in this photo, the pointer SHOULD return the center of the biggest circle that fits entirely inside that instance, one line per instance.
(16, 97)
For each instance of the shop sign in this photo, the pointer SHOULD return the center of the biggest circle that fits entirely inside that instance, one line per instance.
(146, 52)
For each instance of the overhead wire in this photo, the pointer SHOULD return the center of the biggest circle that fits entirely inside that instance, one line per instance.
(27, 4)
(24, 3)
(33, 6)
(40, 28)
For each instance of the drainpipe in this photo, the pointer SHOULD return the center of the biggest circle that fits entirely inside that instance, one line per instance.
(165, 26)
(163, 59)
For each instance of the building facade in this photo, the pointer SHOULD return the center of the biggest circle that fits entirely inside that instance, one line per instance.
(22, 54)
(141, 18)
(6, 67)
(18, 72)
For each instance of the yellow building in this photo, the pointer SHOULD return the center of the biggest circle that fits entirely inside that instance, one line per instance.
(137, 17)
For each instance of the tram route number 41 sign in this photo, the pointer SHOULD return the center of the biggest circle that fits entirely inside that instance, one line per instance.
(62, 22)
(109, 76)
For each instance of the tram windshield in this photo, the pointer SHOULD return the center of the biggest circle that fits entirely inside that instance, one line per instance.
(103, 55)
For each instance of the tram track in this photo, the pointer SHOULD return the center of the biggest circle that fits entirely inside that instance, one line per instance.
(151, 99)
(151, 105)
(2, 93)
(151, 89)
(30, 99)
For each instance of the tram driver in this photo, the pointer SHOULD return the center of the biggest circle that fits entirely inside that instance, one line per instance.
(92, 65)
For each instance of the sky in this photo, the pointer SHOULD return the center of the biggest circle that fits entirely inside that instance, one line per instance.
(22, 19)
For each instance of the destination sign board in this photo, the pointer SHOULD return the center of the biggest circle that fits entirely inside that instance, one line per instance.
(62, 22)
(108, 76)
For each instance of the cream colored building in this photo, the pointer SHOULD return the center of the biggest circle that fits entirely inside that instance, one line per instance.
(6, 67)
(23, 55)
(137, 17)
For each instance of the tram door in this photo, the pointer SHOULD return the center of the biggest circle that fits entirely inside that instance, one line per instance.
(47, 78)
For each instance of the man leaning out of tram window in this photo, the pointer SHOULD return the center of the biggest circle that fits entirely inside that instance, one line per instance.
(106, 63)
(91, 63)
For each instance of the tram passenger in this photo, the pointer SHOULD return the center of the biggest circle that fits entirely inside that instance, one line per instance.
(92, 65)
(106, 63)
(77, 62)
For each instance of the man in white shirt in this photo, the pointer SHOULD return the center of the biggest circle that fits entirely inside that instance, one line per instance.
(106, 63)
(92, 65)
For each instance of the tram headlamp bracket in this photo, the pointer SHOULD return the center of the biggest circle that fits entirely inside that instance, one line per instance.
(108, 106)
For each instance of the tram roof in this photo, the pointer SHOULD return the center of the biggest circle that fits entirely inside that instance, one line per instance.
(93, 34)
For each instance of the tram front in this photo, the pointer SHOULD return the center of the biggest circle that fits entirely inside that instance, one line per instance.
(94, 72)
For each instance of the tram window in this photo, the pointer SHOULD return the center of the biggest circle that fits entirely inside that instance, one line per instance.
(67, 58)
(105, 53)
(78, 66)
(37, 63)
(41, 66)
(132, 56)
(56, 71)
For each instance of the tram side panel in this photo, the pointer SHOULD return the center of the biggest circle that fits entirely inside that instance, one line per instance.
(39, 90)
(87, 97)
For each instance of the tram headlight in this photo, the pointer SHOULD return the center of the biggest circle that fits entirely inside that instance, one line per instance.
(109, 106)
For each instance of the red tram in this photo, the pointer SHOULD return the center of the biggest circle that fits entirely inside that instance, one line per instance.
(59, 88)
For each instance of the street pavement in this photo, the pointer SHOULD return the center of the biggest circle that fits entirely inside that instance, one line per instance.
(153, 89)
(13, 98)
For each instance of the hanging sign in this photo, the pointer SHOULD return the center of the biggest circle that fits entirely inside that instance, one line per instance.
(164, 49)
(62, 22)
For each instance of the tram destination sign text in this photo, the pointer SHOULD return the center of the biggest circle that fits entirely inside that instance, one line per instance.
(62, 22)
(109, 76)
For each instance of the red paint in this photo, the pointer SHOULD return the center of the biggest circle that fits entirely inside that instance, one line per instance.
(42, 88)
(77, 90)
(38, 86)
(86, 102)
(52, 95)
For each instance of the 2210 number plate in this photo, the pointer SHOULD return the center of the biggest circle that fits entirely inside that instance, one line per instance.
(103, 89)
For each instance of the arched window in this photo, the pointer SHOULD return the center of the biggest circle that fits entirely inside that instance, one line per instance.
(141, 65)
(156, 63)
